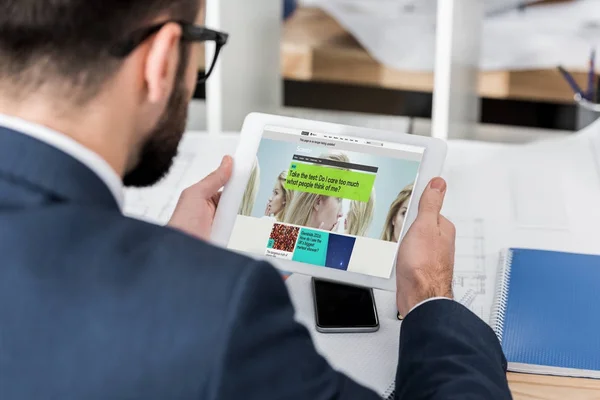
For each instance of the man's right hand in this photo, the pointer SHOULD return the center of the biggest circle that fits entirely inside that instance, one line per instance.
(425, 264)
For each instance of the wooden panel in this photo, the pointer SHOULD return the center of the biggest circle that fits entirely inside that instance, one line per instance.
(535, 387)
(415, 81)
(298, 62)
(494, 84)
(543, 85)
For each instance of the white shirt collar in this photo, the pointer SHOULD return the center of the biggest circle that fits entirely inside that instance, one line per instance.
(72, 148)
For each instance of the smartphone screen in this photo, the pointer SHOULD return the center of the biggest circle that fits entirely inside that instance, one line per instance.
(341, 306)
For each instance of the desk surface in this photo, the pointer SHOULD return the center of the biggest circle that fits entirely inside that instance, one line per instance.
(315, 48)
(210, 149)
(536, 387)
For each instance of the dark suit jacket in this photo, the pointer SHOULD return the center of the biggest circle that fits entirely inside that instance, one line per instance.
(94, 305)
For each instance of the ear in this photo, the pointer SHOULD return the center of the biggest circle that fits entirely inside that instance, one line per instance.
(318, 203)
(161, 63)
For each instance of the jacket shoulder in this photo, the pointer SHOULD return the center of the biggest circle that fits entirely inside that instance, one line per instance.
(168, 246)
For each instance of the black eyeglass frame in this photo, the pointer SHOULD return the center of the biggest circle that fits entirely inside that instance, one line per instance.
(190, 33)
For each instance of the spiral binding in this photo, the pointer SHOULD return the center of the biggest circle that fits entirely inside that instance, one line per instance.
(501, 296)
(390, 393)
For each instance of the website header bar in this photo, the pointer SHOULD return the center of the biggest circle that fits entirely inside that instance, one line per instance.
(336, 138)
(332, 163)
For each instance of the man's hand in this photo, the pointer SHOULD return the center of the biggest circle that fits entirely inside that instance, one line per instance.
(197, 205)
(425, 264)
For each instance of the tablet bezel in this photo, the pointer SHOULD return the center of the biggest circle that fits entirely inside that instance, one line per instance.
(251, 135)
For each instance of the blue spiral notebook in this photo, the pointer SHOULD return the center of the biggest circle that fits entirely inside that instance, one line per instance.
(546, 312)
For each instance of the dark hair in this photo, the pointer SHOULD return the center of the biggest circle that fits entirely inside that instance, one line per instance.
(71, 40)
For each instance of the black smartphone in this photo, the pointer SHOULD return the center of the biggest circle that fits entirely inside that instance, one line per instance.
(343, 308)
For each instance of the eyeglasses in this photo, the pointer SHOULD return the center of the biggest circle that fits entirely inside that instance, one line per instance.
(190, 33)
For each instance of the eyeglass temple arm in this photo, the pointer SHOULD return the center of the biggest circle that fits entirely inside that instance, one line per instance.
(192, 33)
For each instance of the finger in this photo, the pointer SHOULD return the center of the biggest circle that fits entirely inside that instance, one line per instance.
(211, 185)
(432, 200)
(322, 225)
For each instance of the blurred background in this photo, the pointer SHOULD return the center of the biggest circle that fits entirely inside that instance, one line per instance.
(381, 63)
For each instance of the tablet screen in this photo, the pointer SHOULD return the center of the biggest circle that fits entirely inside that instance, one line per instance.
(327, 200)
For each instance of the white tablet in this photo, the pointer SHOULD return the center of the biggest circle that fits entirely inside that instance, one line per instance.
(326, 200)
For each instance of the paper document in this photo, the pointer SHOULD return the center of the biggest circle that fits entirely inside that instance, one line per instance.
(402, 34)
(194, 161)
(474, 272)
(544, 195)
(369, 358)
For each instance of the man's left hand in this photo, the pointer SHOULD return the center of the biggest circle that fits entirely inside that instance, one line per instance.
(197, 205)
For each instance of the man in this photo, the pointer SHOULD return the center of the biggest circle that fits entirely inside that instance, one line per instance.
(93, 305)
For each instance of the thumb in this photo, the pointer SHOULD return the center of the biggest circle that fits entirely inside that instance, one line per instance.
(432, 199)
(210, 185)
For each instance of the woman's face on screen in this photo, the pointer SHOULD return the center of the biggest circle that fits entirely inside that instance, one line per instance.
(327, 212)
(277, 199)
(399, 220)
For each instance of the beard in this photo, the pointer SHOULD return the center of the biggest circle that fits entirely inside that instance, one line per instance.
(159, 151)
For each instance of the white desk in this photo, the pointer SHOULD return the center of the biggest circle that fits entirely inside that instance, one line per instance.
(543, 195)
